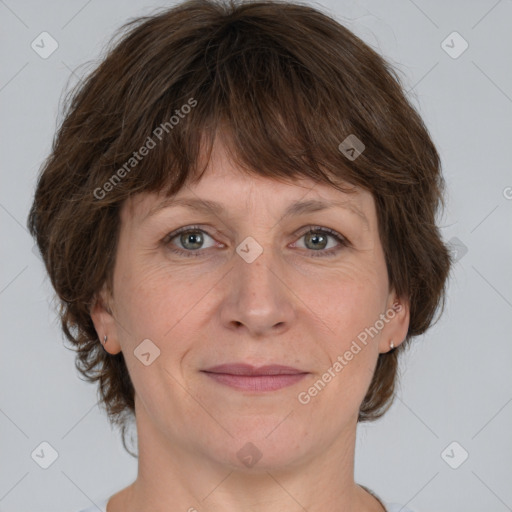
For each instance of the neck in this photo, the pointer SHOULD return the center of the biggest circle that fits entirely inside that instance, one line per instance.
(175, 476)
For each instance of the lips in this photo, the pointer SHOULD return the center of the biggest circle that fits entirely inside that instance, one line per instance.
(247, 369)
(248, 378)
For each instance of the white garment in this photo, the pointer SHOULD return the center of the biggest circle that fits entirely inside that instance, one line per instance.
(396, 507)
(101, 506)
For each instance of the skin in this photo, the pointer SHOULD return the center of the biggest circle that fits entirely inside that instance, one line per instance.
(286, 307)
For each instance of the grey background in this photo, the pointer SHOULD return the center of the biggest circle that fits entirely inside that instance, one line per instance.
(456, 383)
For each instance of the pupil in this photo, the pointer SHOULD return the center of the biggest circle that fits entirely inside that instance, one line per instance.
(195, 238)
(316, 237)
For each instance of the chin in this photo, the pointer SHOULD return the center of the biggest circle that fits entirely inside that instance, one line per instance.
(253, 450)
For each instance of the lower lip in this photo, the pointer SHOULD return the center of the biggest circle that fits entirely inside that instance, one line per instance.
(256, 382)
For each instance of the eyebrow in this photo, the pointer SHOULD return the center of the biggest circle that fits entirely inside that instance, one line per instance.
(300, 207)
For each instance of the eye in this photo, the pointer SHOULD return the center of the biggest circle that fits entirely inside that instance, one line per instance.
(189, 238)
(317, 240)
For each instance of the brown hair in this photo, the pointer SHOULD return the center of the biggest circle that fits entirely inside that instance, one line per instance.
(287, 84)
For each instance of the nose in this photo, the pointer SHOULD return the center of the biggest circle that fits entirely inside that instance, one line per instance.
(257, 298)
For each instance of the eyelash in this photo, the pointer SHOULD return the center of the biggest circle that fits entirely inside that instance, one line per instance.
(311, 230)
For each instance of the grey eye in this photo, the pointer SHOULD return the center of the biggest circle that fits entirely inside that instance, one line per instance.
(192, 239)
(316, 240)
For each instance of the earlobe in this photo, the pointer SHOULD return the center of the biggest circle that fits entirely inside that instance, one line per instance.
(395, 332)
(105, 325)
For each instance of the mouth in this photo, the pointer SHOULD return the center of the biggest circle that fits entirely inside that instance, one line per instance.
(245, 377)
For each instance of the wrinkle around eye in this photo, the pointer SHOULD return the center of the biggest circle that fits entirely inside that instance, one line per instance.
(173, 242)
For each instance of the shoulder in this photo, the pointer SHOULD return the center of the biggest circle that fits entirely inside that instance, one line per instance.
(102, 506)
(390, 507)
(99, 505)
(396, 507)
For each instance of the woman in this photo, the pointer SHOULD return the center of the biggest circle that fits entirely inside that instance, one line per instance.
(238, 216)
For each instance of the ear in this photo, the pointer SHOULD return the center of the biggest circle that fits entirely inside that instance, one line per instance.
(104, 322)
(397, 317)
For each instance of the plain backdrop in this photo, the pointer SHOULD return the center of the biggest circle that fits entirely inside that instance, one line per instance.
(445, 445)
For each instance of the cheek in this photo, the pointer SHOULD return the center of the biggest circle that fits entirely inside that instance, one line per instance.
(350, 300)
(142, 300)
(350, 304)
(350, 355)
(157, 302)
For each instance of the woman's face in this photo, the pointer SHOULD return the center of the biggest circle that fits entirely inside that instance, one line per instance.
(248, 285)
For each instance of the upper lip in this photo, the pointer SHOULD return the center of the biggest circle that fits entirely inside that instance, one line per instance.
(247, 369)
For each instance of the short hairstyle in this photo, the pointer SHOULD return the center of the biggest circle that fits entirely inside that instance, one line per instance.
(285, 84)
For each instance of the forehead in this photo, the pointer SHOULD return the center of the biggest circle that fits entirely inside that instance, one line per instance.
(224, 185)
